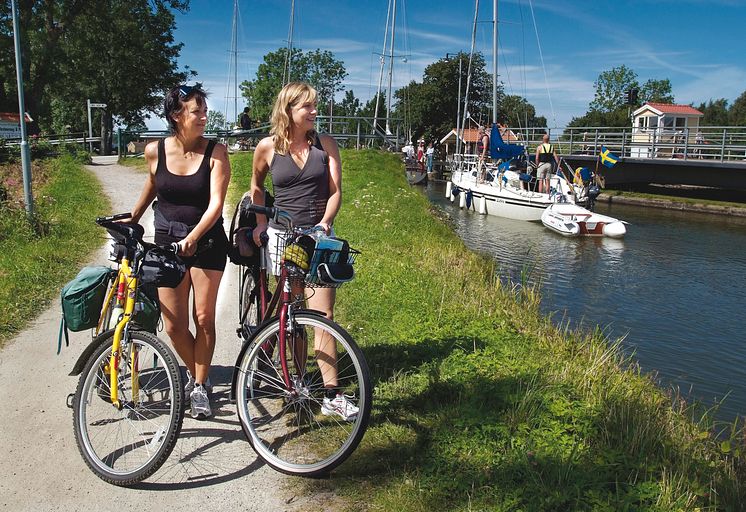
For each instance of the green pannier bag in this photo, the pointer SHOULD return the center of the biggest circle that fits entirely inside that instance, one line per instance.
(83, 297)
(148, 315)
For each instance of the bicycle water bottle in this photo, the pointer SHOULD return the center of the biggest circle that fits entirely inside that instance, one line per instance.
(117, 309)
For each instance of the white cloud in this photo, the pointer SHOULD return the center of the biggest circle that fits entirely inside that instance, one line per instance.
(727, 82)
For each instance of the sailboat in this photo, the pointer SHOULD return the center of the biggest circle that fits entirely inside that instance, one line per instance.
(504, 190)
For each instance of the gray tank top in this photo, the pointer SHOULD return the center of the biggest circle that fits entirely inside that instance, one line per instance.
(303, 193)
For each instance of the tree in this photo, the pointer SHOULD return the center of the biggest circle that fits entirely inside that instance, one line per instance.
(737, 112)
(516, 111)
(215, 121)
(656, 91)
(609, 106)
(715, 113)
(318, 68)
(431, 107)
(610, 88)
(118, 52)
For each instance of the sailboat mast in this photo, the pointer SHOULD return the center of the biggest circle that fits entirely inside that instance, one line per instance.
(289, 54)
(234, 56)
(383, 60)
(494, 61)
(391, 69)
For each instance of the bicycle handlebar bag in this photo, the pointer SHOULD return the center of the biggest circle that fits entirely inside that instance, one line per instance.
(162, 268)
(83, 297)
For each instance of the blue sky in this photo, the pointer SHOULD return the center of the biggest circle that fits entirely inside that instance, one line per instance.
(699, 45)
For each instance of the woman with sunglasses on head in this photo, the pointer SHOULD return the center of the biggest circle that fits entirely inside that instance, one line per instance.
(307, 181)
(189, 175)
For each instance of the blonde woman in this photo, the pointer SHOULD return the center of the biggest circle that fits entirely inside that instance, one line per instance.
(307, 181)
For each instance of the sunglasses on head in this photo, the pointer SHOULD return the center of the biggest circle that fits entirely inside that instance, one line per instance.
(186, 90)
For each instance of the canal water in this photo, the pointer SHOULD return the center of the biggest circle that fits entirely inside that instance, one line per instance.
(674, 287)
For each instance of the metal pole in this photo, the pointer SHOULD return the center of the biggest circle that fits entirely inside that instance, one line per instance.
(458, 109)
(391, 69)
(25, 154)
(90, 128)
(494, 63)
(357, 142)
(380, 74)
(722, 145)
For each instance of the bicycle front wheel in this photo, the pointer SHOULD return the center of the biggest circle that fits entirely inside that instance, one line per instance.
(292, 426)
(124, 445)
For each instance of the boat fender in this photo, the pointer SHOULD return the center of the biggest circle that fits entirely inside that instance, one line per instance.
(448, 189)
(455, 191)
(469, 197)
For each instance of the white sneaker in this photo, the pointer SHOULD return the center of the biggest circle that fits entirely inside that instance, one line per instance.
(200, 402)
(340, 406)
(189, 386)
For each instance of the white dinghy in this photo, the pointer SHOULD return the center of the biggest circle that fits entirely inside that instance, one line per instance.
(569, 219)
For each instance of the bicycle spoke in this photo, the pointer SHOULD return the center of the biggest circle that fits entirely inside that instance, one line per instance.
(286, 423)
(126, 444)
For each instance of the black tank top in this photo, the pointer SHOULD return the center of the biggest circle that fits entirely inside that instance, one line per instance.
(183, 198)
(303, 193)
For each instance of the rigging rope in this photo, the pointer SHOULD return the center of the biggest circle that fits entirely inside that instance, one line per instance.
(543, 67)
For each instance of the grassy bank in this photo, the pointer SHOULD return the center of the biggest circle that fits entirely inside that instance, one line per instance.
(35, 260)
(673, 199)
(480, 402)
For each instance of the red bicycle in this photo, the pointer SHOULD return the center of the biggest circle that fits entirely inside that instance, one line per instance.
(301, 384)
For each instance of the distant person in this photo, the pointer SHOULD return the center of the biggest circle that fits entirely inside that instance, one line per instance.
(699, 140)
(545, 154)
(408, 151)
(245, 119)
(421, 155)
(483, 148)
(429, 155)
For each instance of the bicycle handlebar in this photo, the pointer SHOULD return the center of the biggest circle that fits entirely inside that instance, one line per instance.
(279, 216)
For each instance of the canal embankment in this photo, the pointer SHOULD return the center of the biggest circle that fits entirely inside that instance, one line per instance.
(481, 401)
(674, 203)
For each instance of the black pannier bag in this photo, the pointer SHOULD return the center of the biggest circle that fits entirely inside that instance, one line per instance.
(242, 250)
(162, 268)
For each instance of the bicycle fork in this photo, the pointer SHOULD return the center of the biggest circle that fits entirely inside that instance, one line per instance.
(121, 332)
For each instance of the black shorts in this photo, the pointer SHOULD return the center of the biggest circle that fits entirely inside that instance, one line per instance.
(212, 258)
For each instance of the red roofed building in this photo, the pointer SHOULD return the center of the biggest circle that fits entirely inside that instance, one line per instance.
(666, 116)
(470, 138)
(10, 125)
(664, 123)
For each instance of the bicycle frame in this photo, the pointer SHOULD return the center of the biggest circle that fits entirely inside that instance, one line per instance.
(125, 284)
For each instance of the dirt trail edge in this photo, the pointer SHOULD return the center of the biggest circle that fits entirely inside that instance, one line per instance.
(212, 466)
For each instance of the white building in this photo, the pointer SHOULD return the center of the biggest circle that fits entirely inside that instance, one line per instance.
(664, 125)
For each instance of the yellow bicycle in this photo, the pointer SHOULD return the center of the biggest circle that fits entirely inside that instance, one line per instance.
(128, 405)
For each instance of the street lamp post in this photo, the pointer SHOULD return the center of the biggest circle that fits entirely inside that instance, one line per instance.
(25, 154)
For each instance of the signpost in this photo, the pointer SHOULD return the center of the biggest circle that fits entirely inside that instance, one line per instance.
(90, 127)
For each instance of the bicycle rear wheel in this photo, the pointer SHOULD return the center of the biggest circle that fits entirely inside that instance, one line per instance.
(286, 426)
(125, 445)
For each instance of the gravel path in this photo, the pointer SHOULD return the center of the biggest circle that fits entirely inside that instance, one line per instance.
(212, 466)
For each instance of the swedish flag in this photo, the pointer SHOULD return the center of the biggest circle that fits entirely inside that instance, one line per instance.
(607, 157)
